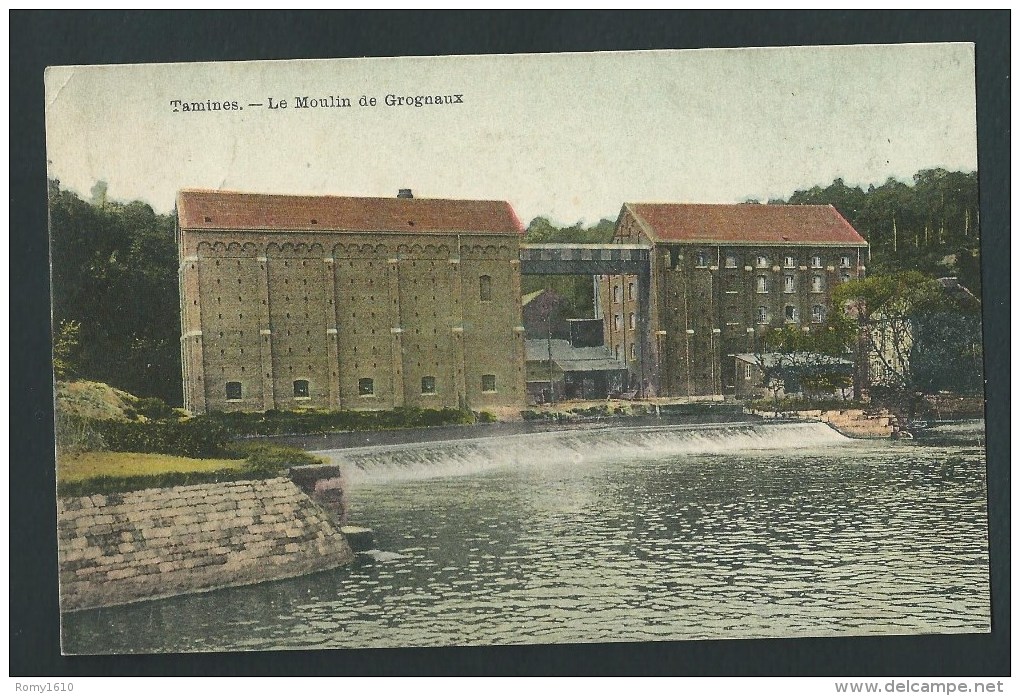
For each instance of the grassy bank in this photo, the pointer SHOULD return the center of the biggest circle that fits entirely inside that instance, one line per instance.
(122, 464)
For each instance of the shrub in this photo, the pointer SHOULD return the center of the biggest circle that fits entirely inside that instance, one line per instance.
(197, 437)
(485, 417)
(123, 484)
(76, 435)
(268, 458)
(155, 408)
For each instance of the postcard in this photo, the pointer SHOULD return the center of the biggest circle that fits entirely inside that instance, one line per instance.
(518, 349)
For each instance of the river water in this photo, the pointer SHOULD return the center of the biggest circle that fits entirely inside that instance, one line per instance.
(629, 534)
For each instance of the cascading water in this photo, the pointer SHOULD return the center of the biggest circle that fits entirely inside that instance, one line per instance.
(406, 462)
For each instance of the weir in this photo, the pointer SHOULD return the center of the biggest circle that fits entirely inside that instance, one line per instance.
(386, 463)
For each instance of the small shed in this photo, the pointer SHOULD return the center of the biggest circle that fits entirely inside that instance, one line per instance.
(557, 369)
(790, 373)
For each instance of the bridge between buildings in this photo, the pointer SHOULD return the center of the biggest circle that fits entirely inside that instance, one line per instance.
(585, 259)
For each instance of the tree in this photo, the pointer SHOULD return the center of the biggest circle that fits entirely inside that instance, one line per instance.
(920, 335)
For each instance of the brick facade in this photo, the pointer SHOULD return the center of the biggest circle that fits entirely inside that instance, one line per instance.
(710, 301)
(348, 319)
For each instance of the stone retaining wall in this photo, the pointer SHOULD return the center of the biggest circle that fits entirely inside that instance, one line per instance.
(159, 542)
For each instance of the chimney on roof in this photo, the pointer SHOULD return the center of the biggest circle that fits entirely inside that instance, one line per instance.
(405, 193)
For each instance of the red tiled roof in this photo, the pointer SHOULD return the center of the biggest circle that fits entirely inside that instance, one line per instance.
(745, 223)
(226, 210)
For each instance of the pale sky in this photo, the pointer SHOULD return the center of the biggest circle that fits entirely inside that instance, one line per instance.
(570, 136)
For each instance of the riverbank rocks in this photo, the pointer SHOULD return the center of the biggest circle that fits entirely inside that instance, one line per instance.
(159, 542)
(850, 422)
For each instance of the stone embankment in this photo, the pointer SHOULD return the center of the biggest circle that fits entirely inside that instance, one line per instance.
(159, 542)
(851, 422)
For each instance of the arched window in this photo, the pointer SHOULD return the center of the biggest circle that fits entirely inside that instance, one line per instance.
(616, 293)
(485, 288)
(301, 389)
(632, 321)
(761, 261)
(817, 283)
(789, 283)
(633, 352)
(616, 322)
(818, 314)
(630, 291)
(762, 283)
(763, 315)
(791, 313)
(233, 391)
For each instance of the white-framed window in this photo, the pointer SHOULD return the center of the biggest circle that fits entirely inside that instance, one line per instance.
(747, 371)
(844, 276)
(301, 389)
(789, 262)
(762, 283)
(816, 262)
(763, 315)
(630, 291)
(633, 352)
(761, 261)
(731, 260)
(366, 386)
(789, 283)
(616, 293)
(488, 383)
(817, 283)
(233, 391)
(701, 259)
(428, 385)
(844, 261)
(791, 313)
(616, 322)
(632, 321)
(818, 314)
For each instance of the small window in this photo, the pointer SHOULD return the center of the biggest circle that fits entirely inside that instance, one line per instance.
(301, 389)
(488, 383)
(630, 291)
(633, 352)
(844, 261)
(366, 386)
(817, 314)
(789, 262)
(816, 262)
(616, 293)
(791, 313)
(844, 276)
(701, 259)
(763, 283)
(485, 288)
(817, 283)
(632, 321)
(233, 391)
(763, 315)
(731, 260)
(747, 371)
(789, 283)
(428, 385)
(616, 322)
(761, 261)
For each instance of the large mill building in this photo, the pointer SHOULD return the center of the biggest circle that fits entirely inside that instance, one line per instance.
(721, 276)
(348, 303)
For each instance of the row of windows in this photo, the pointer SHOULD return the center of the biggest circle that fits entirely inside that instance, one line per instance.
(618, 321)
(702, 260)
(617, 292)
(366, 387)
(631, 351)
(791, 313)
(762, 283)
